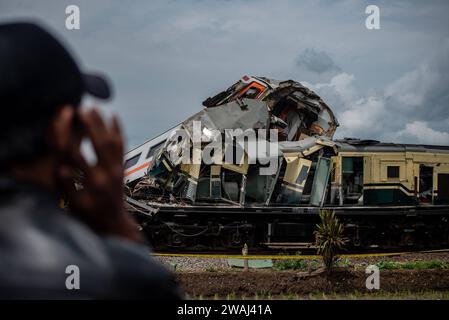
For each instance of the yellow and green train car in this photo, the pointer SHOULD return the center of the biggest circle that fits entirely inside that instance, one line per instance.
(373, 173)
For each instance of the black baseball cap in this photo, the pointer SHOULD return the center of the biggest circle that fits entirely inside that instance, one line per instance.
(38, 74)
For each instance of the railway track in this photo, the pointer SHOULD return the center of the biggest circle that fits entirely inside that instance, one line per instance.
(283, 256)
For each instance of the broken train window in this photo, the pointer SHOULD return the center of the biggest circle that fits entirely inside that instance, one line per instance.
(252, 91)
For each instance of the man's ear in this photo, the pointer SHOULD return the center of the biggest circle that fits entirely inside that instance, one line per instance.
(61, 127)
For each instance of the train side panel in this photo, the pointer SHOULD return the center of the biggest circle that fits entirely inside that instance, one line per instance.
(386, 178)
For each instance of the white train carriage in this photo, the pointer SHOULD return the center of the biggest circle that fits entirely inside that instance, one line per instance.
(138, 160)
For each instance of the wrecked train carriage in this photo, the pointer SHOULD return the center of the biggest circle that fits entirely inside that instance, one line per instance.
(294, 109)
(299, 110)
(294, 113)
(300, 176)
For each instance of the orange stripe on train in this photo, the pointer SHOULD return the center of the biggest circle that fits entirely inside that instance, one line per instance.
(146, 164)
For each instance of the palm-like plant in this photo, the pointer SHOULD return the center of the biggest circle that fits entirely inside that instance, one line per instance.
(329, 238)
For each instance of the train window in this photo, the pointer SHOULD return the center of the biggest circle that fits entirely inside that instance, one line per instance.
(393, 172)
(155, 149)
(132, 161)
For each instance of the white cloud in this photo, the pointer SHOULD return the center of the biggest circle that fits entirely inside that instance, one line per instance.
(410, 89)
(359, 115)
(420, 132)
(364, 118)
(343, 85)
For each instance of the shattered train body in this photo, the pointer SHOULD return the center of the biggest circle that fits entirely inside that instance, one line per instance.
(257, 164)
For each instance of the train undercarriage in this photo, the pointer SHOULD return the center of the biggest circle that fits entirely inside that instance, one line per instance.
(209, 228)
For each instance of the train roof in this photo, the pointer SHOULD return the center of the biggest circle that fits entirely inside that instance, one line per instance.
(358, 145)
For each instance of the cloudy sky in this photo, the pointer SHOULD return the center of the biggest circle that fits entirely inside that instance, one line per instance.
(165, 57)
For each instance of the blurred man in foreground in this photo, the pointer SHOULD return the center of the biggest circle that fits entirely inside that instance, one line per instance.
(42, 248)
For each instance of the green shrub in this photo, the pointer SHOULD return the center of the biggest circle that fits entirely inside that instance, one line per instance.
(431, 264)
(290, 265)
(329, 238)
(344, 263)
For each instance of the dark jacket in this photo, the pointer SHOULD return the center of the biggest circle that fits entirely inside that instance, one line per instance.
(38, 241)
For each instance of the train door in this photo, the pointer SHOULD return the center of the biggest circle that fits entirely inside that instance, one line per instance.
(320, 182)
(352, 180)
(443, 188)
(425, 184)
(295, 176)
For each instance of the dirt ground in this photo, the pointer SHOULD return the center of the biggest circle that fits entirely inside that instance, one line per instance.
(212, 278)
(287, 283)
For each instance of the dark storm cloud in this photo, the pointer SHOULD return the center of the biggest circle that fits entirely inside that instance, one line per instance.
(424, 91)
(316, 61)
